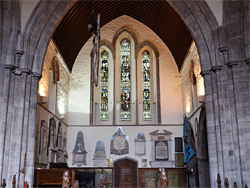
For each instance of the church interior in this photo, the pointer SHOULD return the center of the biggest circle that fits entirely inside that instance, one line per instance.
(125, 93)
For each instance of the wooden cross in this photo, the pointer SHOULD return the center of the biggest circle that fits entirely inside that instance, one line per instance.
(95, 29)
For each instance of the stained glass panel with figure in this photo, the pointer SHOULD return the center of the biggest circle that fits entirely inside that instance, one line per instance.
(104, 76)
(125, 80)
(146, 86)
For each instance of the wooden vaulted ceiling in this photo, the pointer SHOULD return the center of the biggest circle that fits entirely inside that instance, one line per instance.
(72, 32)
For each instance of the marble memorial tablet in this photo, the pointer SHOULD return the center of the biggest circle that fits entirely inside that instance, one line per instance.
(119, 143)
(79, 152)
(161, 150)
(140, 144)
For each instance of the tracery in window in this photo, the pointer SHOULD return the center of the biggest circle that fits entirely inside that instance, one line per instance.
(146, 86)
(104, 75)
(125, 80)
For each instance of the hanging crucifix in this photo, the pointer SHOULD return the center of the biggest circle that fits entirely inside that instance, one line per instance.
(95, 29)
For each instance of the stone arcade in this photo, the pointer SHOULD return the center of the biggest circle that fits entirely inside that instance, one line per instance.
(159, 61)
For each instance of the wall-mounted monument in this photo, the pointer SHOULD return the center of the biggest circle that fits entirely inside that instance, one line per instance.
(119, 143)
(79, 153)
(65, 153)
(52, 150)
(100, 154)
(59, 145)
(44, 134)
(161, 149)
(140, 144)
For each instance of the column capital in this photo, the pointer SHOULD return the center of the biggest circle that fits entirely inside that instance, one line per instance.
(20, 71)
(205, 72)
(9, 67)
(217, 68)
(36, 75)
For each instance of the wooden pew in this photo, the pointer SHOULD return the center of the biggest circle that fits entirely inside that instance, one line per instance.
(52, 177)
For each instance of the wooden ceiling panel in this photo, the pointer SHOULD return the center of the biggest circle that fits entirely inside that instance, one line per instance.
(72, 33)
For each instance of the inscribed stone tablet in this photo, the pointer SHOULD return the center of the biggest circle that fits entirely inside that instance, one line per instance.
(119, 143)
(161, 151)
(140, 147)
(79, 158)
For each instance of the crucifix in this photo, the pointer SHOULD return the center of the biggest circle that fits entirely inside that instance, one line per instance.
(95, 29)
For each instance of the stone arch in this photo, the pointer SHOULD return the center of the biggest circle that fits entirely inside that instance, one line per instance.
(127, 30)
(47, 15)
(151, 45)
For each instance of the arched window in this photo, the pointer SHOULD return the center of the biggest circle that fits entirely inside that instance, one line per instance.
(125, 80)
(146, 86)
(103, 96)
(104, 81)
(127, 93)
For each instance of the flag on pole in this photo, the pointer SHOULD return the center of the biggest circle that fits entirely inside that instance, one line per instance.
(188, 150)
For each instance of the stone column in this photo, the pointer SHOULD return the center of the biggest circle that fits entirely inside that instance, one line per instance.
(211, 129)
(4, 101)
(30, 160)
(16, 136)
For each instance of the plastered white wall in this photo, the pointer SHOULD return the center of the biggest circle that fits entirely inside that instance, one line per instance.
(94, 134)
(170, 78)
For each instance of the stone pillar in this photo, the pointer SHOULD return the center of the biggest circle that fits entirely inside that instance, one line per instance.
(211, 129)
(30, 161)
(16, 139)
(6, 78)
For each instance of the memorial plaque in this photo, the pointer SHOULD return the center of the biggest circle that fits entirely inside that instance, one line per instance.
(119, 143)
(140, 150)
(79, 152)
(174, 179)
(51, 148)
(179, 159)
(140, 144)
(178, 144)
(43, 157)
(161, 150)
(100, 155)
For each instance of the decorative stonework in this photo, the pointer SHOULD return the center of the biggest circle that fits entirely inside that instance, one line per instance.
(161, 149)
(79, 152)
(119, 143)
(140, 144)
(100, 154)
(52, 150)
(43, 158)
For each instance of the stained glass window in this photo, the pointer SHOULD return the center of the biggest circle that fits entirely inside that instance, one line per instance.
(146, 86)
(104, 75)
(125, 80)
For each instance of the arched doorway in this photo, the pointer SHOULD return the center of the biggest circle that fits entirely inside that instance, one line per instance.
(125, 173)
(203, 158)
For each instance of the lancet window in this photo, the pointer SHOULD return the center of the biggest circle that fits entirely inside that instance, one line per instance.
(125, 80)
(146, 86)
(104, 76)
